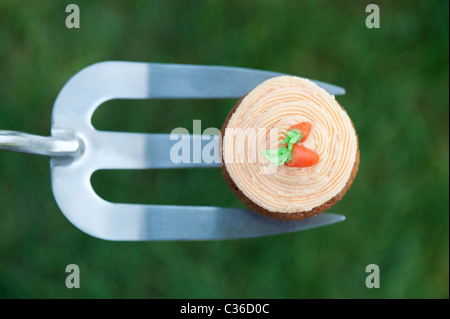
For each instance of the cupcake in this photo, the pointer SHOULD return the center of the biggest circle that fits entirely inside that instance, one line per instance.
(289, 150)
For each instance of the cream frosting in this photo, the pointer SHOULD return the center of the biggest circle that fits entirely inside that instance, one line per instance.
(260, 122)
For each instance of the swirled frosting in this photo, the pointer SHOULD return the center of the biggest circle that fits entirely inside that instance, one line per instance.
(260, 122)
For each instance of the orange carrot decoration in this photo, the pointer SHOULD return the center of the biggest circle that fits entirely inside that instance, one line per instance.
(302, 157)
(294, 155)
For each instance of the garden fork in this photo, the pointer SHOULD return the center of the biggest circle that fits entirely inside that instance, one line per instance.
(77, 150)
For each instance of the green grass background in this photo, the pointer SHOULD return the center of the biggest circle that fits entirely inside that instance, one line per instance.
(397, 95)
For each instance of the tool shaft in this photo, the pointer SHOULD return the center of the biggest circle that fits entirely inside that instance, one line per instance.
(35, 144)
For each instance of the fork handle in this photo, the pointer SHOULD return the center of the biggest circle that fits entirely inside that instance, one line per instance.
(35, 144)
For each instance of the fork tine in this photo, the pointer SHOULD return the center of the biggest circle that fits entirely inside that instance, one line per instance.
(154, 222)
(109, 80)
(201, 81)
(117, 150)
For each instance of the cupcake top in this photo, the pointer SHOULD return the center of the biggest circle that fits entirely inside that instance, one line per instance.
(260, 123)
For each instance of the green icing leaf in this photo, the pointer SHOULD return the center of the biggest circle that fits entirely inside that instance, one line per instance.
(271, 155)
(278, 157)
(284, 154)
(290, 146)
(292, 137)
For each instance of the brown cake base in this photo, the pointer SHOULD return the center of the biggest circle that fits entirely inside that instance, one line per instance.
(285, 216)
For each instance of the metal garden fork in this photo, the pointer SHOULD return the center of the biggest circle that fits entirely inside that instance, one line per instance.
(77, 150)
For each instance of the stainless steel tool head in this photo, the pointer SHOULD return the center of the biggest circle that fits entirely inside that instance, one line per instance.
(77, 150)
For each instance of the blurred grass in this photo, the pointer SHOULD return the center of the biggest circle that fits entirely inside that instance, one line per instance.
(397, 210)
